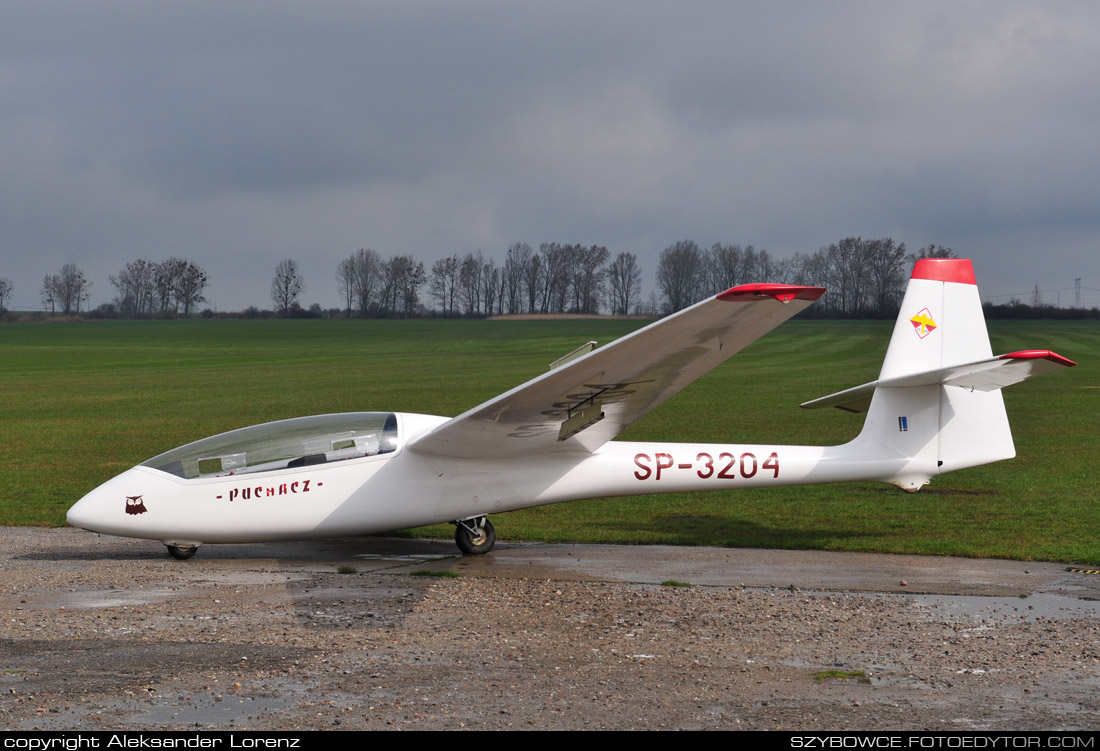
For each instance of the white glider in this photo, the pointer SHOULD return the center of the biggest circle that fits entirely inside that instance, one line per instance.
(936, 407)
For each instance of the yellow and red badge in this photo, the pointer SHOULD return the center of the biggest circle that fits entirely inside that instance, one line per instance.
(923, 323)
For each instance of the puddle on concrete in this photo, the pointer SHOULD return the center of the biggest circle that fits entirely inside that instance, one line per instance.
(250, 578)
(405, 558)
(1037, 606)
(206, 709)
(113, 598)
(1032, 607)
(199, 711)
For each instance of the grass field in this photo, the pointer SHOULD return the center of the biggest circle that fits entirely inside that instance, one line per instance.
(82, 402)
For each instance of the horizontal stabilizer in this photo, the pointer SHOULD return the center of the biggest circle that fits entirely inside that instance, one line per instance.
(987, 374)
(855, 399)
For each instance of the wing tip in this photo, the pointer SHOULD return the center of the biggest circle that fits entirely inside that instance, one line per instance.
(1039, 354)
(784, 293)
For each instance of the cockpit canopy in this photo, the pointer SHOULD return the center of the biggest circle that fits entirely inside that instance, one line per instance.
(300, 442)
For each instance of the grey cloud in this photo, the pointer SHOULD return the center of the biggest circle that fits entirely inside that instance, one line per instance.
(242, 133)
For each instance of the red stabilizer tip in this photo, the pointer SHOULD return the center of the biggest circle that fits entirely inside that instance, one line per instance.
(1039, 354)
(782, 292)
(958, 270)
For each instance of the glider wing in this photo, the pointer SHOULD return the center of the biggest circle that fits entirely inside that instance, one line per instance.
(582, 404)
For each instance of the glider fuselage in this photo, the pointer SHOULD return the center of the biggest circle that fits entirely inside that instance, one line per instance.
(404, 488)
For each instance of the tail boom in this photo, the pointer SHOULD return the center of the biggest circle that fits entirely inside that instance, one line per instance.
(642, 468)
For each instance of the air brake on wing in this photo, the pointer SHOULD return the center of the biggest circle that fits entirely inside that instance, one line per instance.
(584, 349)
(584, 415)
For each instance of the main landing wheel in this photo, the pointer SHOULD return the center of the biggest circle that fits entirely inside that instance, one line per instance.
(475, 536)
(181, 553)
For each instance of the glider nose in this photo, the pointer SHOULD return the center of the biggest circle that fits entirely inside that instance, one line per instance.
(89, 512)
(112, 508)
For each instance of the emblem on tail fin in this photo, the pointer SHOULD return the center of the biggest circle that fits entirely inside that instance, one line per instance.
(923, 323)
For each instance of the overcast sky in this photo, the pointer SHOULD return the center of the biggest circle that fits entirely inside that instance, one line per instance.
(236, 134)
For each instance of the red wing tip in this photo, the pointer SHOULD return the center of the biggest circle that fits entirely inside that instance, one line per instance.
(784, 293)
(1039, 354)
(958, 270)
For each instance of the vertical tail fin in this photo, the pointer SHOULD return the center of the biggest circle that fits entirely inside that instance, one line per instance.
(940, 427)
(940, 322)
(936, 406)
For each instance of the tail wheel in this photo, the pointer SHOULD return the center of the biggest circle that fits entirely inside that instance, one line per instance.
(182, 553)
(475, 536)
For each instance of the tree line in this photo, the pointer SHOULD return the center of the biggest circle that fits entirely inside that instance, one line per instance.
(371, 286)
(865, 278)
(557, 278)
(143, 288)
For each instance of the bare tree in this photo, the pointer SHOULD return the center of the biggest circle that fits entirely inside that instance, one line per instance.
(490, 285)
(360, 278)
(500, 287)
(725, 266)
(167, 272)
(136, 288)
(756, 266)
(848, 261)
(411, 281)
(516, 265)
(49, 292)
(680, 275)
(784, 271)
(624, 281)
(534, 277)
(886, 264)
(188, 288)
(469, 283)
(586, 276)
(864, 277)
(144, 287)
(345, 278)
(933, 251)
(444, 283)
(402, 278)
(765, 265)
(67, 289)
(6, 288)
(286, 286)
(555, 288)
(369, 273)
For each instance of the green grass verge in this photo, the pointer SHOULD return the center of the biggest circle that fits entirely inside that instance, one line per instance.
(436, 574)
(858, 676)
(83, 402)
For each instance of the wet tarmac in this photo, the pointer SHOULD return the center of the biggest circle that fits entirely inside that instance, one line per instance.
(112, 633)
